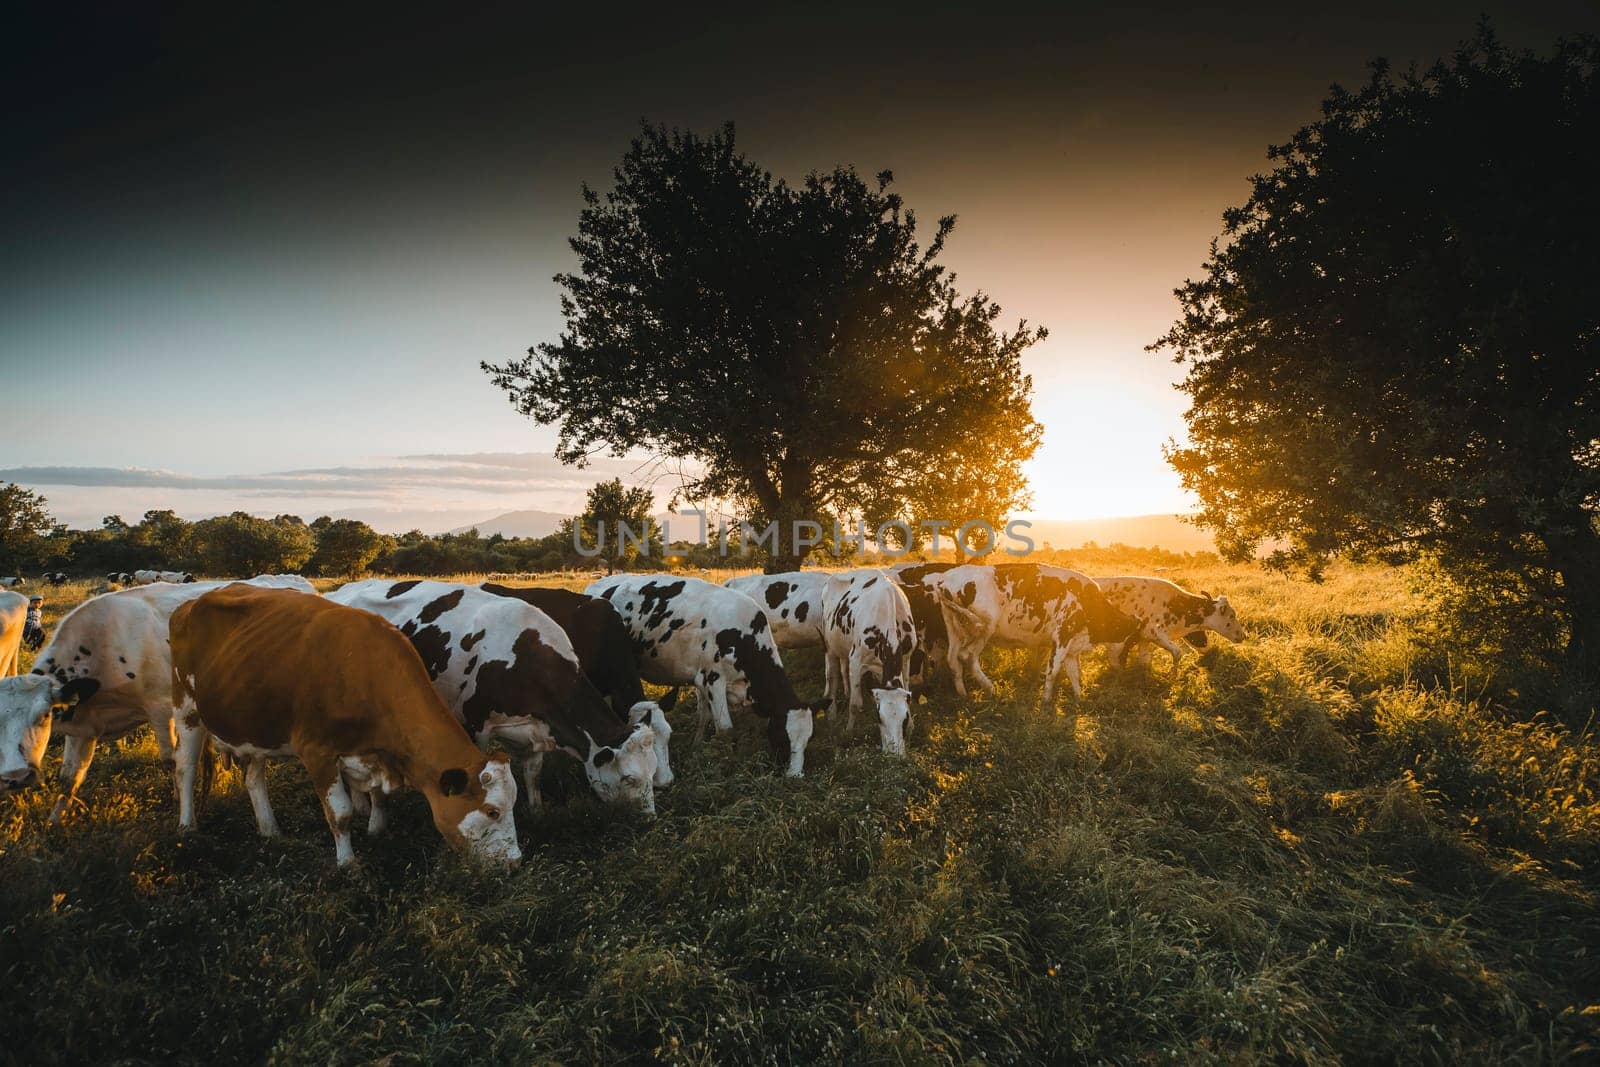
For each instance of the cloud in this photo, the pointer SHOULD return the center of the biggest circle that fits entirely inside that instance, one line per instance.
(434, 491)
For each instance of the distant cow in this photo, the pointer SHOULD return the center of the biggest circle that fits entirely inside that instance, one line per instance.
(792, 601)
(268, 672)
(605, 652)
(688, 631)
(1169, 615)
(151, 577)
(112, 654)
(1026, 604)
(55, 577)
(13, 624)
(119, 577)
(510, 675)
(869, 640)
(11, 583)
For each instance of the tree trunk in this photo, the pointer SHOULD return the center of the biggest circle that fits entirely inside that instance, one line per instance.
(1575, 554)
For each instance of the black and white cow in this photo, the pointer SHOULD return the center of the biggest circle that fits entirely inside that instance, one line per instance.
(869, 639)
(152, 577)
(1170, 616)
(1026, 604)
(688, 631)
(792, 601)
(55, 577)
(933, 640)
(119, 577)
(605, 652)
(11, 583)
(508, 672)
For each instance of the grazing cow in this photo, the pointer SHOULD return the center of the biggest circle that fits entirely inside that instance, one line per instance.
(1169, 615)
(56, 577)
(113, 650)
(689, 631)
(119, 577)
(509, 674)
(605, 652)
(1025, 604)
(793, 603)
(269, 672)
(869, 639)
(933, 641)
(151, 577)
(11, 583)
(32, 628)
(13, 624)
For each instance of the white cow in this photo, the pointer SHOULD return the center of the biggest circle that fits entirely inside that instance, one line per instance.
(688, 631)
(112, 669)
(13, 620)
(12, 582)
(1026, 604)
(1169, 615)
(869, 637)
(510, 675)
(792, 601)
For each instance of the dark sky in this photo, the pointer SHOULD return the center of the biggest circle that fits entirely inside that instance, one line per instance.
(260, 240)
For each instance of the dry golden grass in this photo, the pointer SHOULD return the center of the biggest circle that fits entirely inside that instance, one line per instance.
(1307, 847)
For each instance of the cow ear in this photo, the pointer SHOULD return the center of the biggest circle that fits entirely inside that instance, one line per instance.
(670, 701)
(603, 757)
(69, 694)
(453, 782)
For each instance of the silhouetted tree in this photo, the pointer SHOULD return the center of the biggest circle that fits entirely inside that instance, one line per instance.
(25, 528)
(1395, 345)
(345, 547)
(793, 339)
(612, 503)
(240, 545)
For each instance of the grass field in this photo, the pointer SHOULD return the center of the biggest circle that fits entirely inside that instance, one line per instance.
(1311, 846)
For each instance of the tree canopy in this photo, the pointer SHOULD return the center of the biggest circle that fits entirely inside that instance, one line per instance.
(25, 528)
(1394, 347)
(794, 341)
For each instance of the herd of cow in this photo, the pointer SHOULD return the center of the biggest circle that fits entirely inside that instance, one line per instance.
(439, 686)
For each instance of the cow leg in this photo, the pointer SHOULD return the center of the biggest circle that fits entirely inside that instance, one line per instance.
(76, 755)
(702, 706)
(336, 805)
(186, 760)
(255, 784)
(857, 680)
(834, 690)
(719, 705)
(377, 816)
(532, 764)
(1174, 648)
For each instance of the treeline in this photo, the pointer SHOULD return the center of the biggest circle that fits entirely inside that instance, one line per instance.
(240, 544)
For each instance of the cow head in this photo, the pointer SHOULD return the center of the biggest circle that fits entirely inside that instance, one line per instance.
(1221, 619)
(28, 703)
(796, 727)
(625, 773)
(894, 714)
(655, 716)
(473, 813)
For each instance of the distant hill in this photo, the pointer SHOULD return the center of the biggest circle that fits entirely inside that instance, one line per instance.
(517, 524)
(1139, 531)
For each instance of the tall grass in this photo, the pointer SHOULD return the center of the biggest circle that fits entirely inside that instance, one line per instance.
(1316, 846)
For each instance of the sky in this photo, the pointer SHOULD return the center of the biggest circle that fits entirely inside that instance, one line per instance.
(252, 260)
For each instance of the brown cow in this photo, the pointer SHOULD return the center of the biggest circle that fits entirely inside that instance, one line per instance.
(269, 672)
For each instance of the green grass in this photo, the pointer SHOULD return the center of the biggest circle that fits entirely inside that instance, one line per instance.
(1306, 847)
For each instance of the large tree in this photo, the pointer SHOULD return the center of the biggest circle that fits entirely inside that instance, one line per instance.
(1394, 347)
(794, 341)
(608, 506)
(25, 529)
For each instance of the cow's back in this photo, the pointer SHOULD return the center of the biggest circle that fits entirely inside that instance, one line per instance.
(266, 666)
(599, 637)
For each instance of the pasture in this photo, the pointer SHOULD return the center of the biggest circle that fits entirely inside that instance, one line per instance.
(1308, 847)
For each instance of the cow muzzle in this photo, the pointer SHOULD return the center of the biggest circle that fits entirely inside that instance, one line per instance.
(23, 778)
